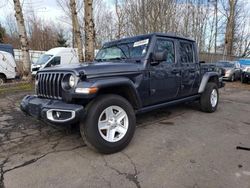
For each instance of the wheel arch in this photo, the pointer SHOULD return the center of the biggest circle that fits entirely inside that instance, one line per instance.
(208, 77)
(3, 75)
(120, 86)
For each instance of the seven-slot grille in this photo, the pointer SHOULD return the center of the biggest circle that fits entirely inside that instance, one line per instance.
(49, 85)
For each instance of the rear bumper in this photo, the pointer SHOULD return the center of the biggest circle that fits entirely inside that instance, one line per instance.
(51, 110)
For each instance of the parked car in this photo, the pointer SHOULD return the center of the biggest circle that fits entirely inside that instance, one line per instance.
(7, 48)
(129, 76)
(55, 56)
(231, 68)
(244, 63)
(245, 75)
(7, 67)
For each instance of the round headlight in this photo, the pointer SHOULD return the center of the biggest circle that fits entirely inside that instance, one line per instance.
(72, 81)
(69, 81)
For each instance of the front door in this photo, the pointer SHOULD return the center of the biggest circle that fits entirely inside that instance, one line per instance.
(164, 77)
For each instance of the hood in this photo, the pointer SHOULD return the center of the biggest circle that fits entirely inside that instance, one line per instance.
(228, 68)
(96, 68)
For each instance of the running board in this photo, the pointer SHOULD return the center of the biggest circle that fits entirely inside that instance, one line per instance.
(169, 103)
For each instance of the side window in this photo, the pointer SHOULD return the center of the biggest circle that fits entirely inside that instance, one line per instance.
(54, 61)
(168, 46)
(186, 52)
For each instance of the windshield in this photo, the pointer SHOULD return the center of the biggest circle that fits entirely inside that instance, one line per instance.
(43, 59)
(132, 49)
(225, 64)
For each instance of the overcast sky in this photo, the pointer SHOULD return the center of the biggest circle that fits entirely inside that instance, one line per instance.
(45, 9)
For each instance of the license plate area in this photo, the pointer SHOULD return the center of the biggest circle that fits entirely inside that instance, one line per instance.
(34, 110)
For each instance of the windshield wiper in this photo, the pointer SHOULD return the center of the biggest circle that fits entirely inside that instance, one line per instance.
(100, 60)
(117, 58)
(121, 51)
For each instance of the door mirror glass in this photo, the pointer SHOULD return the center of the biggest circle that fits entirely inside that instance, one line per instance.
(160, 56)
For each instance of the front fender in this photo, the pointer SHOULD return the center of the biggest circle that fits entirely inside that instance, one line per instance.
(114, 82)
(205, 80)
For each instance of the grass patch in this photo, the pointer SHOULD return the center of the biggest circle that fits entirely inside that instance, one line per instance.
(18, 87)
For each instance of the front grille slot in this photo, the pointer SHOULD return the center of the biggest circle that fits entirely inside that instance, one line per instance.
(49, 85)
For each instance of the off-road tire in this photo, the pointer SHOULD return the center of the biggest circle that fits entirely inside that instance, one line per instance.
(205, 100)
(89, 126)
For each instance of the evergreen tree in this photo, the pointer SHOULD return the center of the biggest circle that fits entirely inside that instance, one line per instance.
(61, 41)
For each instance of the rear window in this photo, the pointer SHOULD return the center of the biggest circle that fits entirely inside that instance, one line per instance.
(186, 52)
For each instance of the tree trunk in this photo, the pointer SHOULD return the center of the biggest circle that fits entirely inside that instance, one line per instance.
(89, 30)
(76, 30)
(216, 26)
(229, 36)
(23, 39)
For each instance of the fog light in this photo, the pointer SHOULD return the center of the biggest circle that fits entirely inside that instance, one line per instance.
(60, 115)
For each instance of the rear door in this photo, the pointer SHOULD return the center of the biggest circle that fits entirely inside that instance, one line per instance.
(190, 68)
(165, 76)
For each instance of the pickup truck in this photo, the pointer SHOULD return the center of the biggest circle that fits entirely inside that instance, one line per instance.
(128, 76)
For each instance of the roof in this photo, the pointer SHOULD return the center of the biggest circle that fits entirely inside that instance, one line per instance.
(57, 50)
(170, 35)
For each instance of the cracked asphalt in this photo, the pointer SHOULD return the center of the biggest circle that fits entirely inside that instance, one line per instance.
(177, 147)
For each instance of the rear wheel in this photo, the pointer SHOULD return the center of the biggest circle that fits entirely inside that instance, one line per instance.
(2, 80)
(210, 98)
(109, 125)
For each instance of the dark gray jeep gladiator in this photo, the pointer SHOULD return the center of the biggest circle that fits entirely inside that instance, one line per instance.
(128, 76)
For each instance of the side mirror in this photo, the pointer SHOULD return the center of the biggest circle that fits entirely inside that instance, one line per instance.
(159, 57)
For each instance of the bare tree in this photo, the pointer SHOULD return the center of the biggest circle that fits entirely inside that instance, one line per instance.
(76, 29)
(230, 27)
(89, 30)
(120, 19)
(23, 38)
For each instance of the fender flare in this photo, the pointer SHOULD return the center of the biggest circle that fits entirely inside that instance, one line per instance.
(118, 82)
(205, 79)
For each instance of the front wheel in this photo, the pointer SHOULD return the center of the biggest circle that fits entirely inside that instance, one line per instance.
(243, 80)
(109, 125)
(233, 78)
(210, 98)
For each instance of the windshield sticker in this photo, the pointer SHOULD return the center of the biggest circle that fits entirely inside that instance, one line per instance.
(141, 42)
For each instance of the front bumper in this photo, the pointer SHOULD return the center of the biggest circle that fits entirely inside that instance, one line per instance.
(221, 83)
(51, 110)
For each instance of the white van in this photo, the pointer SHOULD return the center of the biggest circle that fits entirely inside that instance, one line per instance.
(7, 67)
(55, 56)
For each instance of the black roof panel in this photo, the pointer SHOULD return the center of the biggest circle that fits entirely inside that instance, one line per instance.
(171, 35)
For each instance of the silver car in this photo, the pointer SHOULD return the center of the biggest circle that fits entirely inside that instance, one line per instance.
(231, 68)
